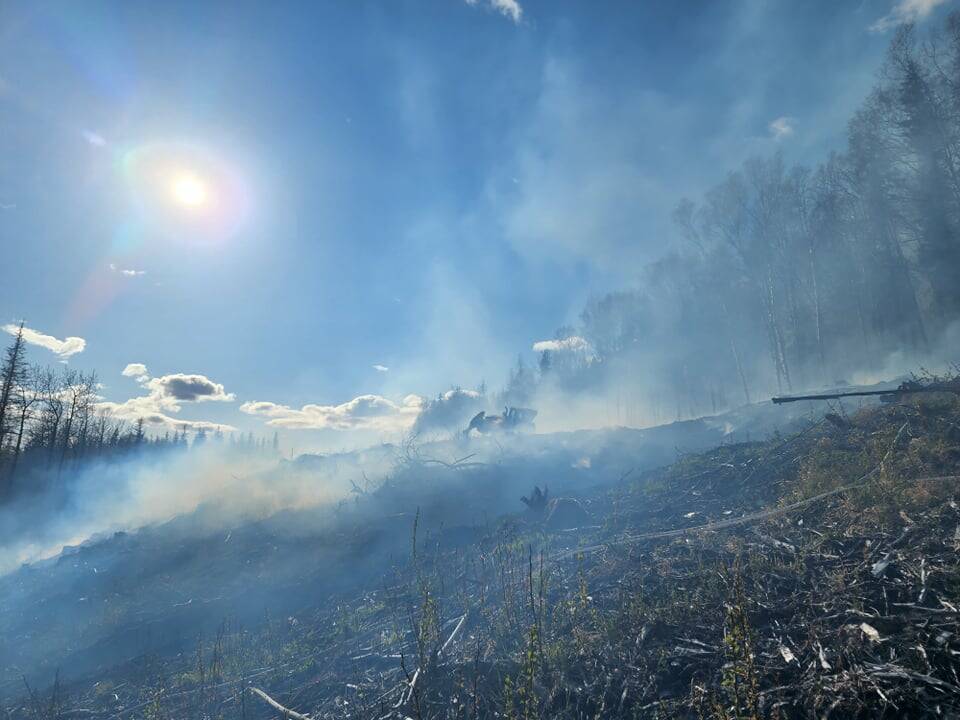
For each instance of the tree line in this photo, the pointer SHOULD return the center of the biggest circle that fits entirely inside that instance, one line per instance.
(788, 277)
(51, 420)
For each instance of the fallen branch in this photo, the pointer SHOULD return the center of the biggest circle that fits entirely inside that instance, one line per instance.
(407, 694)
(285, 712)
(453, 634)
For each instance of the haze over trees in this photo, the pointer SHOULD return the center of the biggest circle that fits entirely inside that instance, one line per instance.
(790, 277)
(781, 278)
(51, 420)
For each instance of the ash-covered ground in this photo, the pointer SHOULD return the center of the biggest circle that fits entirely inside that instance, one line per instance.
(188, 612)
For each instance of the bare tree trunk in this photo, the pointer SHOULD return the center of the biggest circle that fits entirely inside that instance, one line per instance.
(743, 377)
(736, 353)
(776, 337)
(818, 312)
(904, 268)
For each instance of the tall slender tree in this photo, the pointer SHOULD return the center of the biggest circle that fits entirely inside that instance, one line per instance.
(12, 374)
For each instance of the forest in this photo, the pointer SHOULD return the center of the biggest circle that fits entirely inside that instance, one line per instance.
(790, 277)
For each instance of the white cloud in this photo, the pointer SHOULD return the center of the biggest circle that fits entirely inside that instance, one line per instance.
(507, 8)
(62, 348)
(381, 368)
(126, 272)
(366, 412)
(782, 127)
(136, 370)
(93, 138)
(165, 395)
(905, 11)
(572, 344)
(510, 8)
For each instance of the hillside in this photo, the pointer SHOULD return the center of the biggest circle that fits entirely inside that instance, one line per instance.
(155, 589)
(813, 573)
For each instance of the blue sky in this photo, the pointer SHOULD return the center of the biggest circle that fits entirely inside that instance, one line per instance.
(430, 186)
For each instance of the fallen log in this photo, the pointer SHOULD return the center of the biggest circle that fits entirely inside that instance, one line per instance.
(904, 388)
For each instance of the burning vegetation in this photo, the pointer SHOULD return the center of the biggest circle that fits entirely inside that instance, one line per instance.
(809, 574)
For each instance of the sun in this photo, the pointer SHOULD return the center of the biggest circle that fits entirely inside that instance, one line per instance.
(189, 190)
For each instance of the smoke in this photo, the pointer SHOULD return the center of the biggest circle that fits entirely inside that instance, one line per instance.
(672, 376)
(641, 387)
(222, 487)
(103, 497)
(941, 359)
(449, 411)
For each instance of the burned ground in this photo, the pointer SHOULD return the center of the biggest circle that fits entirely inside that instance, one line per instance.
(154, 590)
(814, 574)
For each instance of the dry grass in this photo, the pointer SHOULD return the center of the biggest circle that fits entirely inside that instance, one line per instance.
(848, 608)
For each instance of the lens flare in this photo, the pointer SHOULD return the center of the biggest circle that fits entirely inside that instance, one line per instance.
(189, 190)
(177, 194)
(185, 192)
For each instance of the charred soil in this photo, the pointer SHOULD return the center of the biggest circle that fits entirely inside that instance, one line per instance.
(814, 575)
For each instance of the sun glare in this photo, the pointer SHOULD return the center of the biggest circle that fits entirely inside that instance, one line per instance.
(189, 190)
